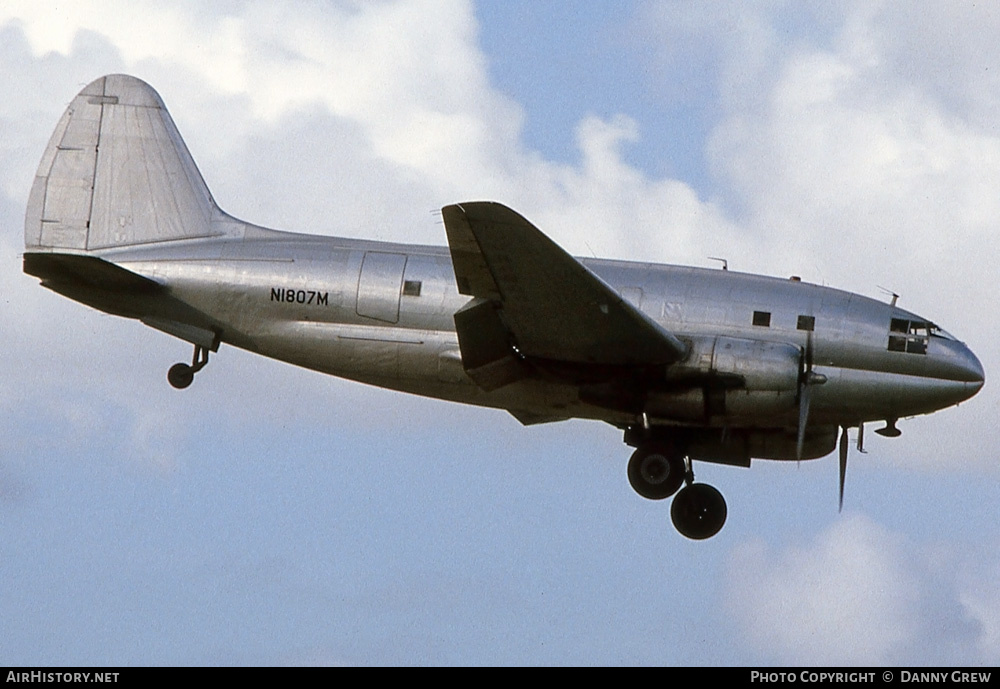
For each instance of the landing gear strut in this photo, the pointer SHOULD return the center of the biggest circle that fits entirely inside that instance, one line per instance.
(182, 375)
(657, 470)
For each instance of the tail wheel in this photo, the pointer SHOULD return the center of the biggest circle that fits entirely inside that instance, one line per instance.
(180, 376)
(656, 471)
(698, 511)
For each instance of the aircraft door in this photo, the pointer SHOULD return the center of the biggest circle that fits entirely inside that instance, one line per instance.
(380, 285)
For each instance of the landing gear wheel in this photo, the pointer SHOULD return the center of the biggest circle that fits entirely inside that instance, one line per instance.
(698, 511)
(655, 472)
(180, 376)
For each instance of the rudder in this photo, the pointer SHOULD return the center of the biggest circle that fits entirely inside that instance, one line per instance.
(117, 173)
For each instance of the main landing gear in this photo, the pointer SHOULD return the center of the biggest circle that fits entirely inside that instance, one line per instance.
(182, 375)
(657, 470)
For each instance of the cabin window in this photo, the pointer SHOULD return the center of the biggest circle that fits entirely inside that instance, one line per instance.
(909, 336)
(807, 323)
(411, 288)
(762, 318)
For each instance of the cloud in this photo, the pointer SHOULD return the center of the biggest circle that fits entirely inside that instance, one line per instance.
(353, 120)
(360, 120)
(982, 602)
(858, 155)
(847, 146)
(859, 594)
(874, 167)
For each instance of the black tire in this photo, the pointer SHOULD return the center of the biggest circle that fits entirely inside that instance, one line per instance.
(655, 471)
(698, 511)
(180, 376)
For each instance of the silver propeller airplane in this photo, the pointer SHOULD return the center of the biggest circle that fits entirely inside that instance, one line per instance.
(691, 364)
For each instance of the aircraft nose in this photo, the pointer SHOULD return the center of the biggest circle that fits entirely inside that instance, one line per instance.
(958, 372)
(952, 360)
(975, 376)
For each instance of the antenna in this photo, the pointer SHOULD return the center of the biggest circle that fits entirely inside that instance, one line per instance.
(725, 263)
(895, 297)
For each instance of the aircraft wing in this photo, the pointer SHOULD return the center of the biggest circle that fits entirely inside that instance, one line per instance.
(551, 305)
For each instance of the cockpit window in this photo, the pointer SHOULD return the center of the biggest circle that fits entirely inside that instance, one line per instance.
(939, 332)
(909, 336)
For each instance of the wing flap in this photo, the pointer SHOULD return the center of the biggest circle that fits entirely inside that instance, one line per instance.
(554, 307)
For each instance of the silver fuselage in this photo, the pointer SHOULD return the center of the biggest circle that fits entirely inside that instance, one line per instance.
(352, 308)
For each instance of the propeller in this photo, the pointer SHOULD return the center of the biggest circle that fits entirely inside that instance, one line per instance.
(843, 465)
(807, 379)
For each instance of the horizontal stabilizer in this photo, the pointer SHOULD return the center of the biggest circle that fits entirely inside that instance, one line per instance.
(110, 288)
(554, 307)
(87, 272)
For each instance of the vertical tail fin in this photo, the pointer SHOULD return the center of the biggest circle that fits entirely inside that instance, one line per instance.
(117, 173)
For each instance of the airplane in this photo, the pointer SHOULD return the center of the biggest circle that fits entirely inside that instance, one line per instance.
(688, 363)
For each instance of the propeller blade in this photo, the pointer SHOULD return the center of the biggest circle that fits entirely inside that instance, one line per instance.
(805, 368)
(804, 396)
(843, 465)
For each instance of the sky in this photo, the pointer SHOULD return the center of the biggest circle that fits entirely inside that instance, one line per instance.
(270, 515)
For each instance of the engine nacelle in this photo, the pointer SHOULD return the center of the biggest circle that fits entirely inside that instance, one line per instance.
(732, 378)
(736, 446)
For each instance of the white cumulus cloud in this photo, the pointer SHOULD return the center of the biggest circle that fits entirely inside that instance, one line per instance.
(859, 594)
